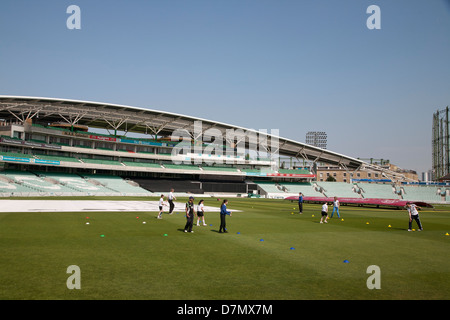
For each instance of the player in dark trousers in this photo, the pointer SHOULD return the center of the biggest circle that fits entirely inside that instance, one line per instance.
(223, 214)
(189, 215)
(413, 214)
(300, 203)
(171, 197)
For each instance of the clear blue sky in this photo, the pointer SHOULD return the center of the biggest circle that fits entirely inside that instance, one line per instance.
(292, 65)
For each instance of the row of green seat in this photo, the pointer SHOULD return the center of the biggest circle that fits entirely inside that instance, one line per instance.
(65, 183)
(359, 190)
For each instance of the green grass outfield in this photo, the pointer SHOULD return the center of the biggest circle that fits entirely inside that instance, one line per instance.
(157, 260)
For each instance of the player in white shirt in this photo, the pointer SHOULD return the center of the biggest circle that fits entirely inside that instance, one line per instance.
(200, 213)
(336, 206)
(324, 212)
(413, 214)
(161, 204)
(170, 198)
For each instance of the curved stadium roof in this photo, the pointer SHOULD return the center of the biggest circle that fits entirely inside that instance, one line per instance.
(143, 120)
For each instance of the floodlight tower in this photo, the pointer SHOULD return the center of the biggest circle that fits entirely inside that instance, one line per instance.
(441, 144)
(317, 139)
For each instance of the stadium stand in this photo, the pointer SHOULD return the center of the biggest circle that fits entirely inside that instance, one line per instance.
(50, 155)
(357, 190)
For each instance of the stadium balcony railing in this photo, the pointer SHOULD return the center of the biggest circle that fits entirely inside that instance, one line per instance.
(294, 171)
(16, 154)
(261, 170)
(56, 158)
(181, 167)
(141, 164)
(117, 165)
(103, 162)
(215, 168)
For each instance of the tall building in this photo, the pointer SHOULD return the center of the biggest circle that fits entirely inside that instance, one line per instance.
(441, 144)
(427, 176)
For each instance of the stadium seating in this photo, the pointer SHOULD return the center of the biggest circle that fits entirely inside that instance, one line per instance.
(26, 182)
(6, 186)
(10, 186)
(76, 184)
(422, 193)
(117, 184)
(377, 191)
(338, 189)
(57, 184)
(306, 188)
(270, 187)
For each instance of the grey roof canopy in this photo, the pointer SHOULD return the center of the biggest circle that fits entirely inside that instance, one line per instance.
(143, 120)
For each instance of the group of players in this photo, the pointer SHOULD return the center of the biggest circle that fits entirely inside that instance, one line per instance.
(200, 212)
(190, 211)
(411, 207)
